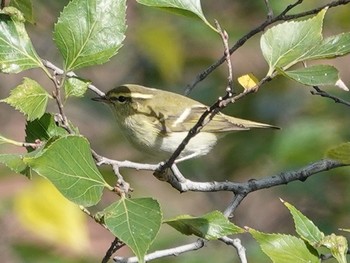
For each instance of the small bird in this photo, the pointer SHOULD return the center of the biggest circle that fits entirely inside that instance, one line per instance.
(156, 121)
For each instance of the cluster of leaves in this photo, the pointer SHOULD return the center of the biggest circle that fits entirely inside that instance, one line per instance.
(63, 156)
(288, 248)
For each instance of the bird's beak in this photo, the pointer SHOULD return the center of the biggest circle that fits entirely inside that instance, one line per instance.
(101, 99)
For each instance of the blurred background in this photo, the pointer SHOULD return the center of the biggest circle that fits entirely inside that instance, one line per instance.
(166, 51)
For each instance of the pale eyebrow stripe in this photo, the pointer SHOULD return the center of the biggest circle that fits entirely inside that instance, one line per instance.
(141, 96)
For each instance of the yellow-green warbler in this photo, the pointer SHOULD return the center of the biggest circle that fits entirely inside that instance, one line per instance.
(156, 121)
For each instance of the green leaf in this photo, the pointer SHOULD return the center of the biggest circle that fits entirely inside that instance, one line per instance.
(15, 163)
(183, 7)
(340, 153)
(288, 43)
(285, 248)
(16, 50)
(305, 227)
(338, 246)
(43, 129)
(90, 32)
(75, 87)
(68, 164)
(331, 47)
(134, 221)
(29, 98)
(210, 226)
(26, 7)
(317, 75)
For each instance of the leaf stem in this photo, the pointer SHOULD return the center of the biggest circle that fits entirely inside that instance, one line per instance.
(20, 144)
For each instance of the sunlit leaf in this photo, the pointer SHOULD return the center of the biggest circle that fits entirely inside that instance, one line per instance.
(305, 227)
(331, 47)
(285, 248)
(288, 43)
(210, 226)
(16, 50)
(183, 7)
(29, 98)
(67, 162)
(90, 32)
(75, 87)
(340, 153)
(134, 221)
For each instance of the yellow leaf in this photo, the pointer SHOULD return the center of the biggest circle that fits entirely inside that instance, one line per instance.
(44, 211)
(248, 81)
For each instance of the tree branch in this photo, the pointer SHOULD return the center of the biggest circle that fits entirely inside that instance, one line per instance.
(165, 253)
(115, 246)
(280, 17)
(236, 243)
(253, 185)
(325, 94)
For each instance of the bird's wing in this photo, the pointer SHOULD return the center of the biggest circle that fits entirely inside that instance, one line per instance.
(185, 120)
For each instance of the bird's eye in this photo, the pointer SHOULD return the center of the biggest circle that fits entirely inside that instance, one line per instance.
(121, 99)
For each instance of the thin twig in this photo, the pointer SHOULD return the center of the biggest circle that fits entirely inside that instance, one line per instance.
(115, 246)
(316, 10)
(224, 37)
(165, 253)
(63, 120)
(236, 243)
(237, 199)
(325, 94)
(269, 10)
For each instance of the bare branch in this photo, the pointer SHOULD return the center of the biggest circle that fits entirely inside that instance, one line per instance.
(165, 253)
(325, 94)
(224, 37)
(101, 160)
(237, 199)
(115, 246)
(253, 185)
(236, 243)
(269, 10)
